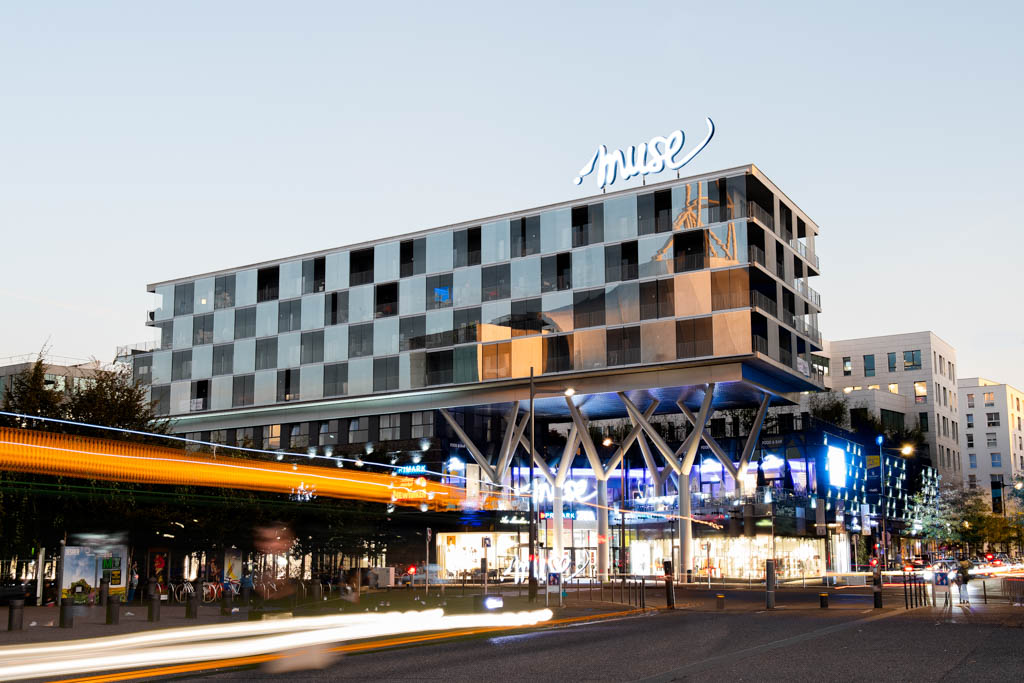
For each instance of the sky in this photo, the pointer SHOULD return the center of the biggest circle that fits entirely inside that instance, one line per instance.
(147, 141)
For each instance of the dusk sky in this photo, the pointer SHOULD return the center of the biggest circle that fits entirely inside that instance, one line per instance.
(146, 141)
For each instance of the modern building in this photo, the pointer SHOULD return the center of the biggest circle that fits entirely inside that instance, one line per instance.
(689, 295)
(918, 370)
(62, 374)
(992, 437)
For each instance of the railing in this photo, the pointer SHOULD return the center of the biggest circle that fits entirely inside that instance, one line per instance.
(786, 357)
(814, 297)
(763, 302)
(760, 344)
(687, 262)
(757, 255)
(788, 318)
(138, 347)
(801, 249)
(727, 300)
(755, 210)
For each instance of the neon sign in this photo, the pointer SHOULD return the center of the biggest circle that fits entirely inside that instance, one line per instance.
(639, 160)
(413, 469)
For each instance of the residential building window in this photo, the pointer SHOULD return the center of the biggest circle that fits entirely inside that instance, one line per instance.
(588, 308)
(997, 459)
(272, 437)
(972, 459)
(970, 420)
(336, 308)
(385, 300)
(142, 371)
(466, 324)
(922, 421)
(869, 365)
(412, 333)
(526, 317)
(558, 353)
(312, 347)
(287, 385)
(245, 322)
(181, 365)
(912, 360)
(623, 345)
(202, 329)
(440, 367)
(184, 298)
(412, 257)
(556, 272)
(266, 353)
(358, 430)
(525, 236)
(166, 333)
(224, 291)
(657, 299)
(335, 379)
(223, 359)
(200, 396)
(990, 399)
(497, 360)
(970, 440)
(587, 225)
(422, 424)
(920, 392)
(894, 388)
(466, 247)
(439, 291)
(385, 374)
(892, 361)
(990, 440)
(389, 427)
(496, 282)
(945, 426)
(972, 481)
(267, 281)
(693, 338)
(243, 389)
(654, 212)
(289, 315)
(970, 400)
(314, 275)
(847, 366)
(992, 419)
(620, 262)
(360, 267)
(360, 340)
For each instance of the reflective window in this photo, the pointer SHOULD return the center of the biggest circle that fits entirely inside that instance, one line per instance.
(727, 245)
(558, 353)
(688, 249)
(588, 308)
(526, 317)
(160, 397)
(496, 282)
(266, 353)
(555, 231)
(892, 362)
(920, 392)
(167, 333)
(658, 343)
(385, 300)
(654, 212)
(202, 329)
(287, 385)
(495, 242)
(223, 359)
(439, 329)
(439, 291)
(181, 365)
(654, 256)
(589, 347)
(623, 345)
(386, 265)
(694, 338)
(525, 277)
(360, 304)
(496, 360)
(335, 379)
(439, 367)
(558, 313)
(412, 294)
(336, 308)
(657, 299)
(314, 275)
(360, 340)
(385, 374)
(556, 272)
(184, 296)
(465, 325)
(200, 395)
(525, 236)
(289, 315)
(312, 347)
(620, 218)
(730, 289)
(587, 225)
(440, 252)
(588, 267)
(412, 332)
(869, 365)
(267, 283)
(912, 360)
(465, 360)
(224, 291)
(622, 303)
(620, 262)
(466, 247)
(385, 336)
(360, 267)
(242, 390)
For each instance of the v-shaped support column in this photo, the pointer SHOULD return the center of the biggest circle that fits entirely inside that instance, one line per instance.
(719, 452)
(470, 446)
(752, 438)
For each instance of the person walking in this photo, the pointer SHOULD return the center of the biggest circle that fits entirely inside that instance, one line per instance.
(963, 576)
(133, 581)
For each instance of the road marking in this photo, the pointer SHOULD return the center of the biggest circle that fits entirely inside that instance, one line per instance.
(692, 667)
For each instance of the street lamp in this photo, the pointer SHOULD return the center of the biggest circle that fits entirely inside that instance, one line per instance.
(907, 450)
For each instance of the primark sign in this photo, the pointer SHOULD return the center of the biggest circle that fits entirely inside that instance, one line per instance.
(655, 156)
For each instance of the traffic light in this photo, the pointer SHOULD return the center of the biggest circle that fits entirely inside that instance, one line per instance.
(873, 562)
(989, 556)
(412, 569)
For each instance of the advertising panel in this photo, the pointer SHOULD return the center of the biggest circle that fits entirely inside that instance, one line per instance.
(84, 567)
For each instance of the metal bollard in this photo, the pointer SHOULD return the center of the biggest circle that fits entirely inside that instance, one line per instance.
(670, 588)
(113, 609)
(643, 593)
(67, 614)
(104, 592)
(246, 595)
(877, 587)
(769, 584)
(225, 601)
(15, 614)
(154, 603)
(823, 600)
(720, 601)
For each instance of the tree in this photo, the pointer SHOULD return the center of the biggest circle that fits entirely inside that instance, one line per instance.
(830, 407)
(30, 394)
(959, 518)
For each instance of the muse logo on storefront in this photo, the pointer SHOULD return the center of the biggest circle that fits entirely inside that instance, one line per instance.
(640, 160)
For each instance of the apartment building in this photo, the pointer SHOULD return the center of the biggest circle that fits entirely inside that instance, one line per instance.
(992, 437)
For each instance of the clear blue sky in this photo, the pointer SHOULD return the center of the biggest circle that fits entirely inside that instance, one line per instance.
(144, 140)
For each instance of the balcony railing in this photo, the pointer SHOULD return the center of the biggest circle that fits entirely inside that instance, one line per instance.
(127, 350)
(764, 303)
(760, 344)
(727, 300)
(807, 291)
(755, 210)
(757, 255)
(687, 262)
(801, 249)
(786, 357)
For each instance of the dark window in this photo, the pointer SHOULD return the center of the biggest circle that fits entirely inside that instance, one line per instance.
(412, 257)
(224, 291)
(181, 365)
(335, 379)
(160, 397)
(385, 374)
(223, 359)
(657, 299)
(289, 315)
(202, 329)
(922, 421)
(525, 236)
(314, 275)
(439, 291)
(688, 248)
(336, 308)
(385, 300)
(556, 272)
(623, 345)
(412, 332)
(869, 365)
(360, 267)
(466, 322)
(694, 338)
(497, 360)
(558, 353)
(526, 317)
(436, 340)
(266, 353)
(200, 396)
(731, 289)
(654, 212)
(620, 262)
(466, 364)
(311, 347)
(496, 282)
(360, 340)
(891, 357)
(287, 385)
(439, 367)
(466, 247)
(243, 390)
(588, 308)
(245, 322)
(184, 296)
(267, 280)
(166, 333)
(587, 225)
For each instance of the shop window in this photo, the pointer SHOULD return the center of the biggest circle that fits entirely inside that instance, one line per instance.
(267, 282)
(466, 247)
(525, 236)
(314, 275)
(360, 267)
(335, 379)
(243, 389)
(224, 291)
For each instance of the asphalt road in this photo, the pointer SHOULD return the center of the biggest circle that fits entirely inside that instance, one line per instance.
(794, 645)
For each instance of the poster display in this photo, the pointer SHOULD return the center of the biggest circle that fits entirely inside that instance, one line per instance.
(83, 568)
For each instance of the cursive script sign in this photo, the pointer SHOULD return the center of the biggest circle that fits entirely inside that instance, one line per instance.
(647, 157)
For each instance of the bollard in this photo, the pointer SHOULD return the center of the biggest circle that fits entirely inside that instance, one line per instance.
(689, 576)
(877, 587)
(154, 600)
(720, 601)
(906, 597)
(246, 595)
(670, 588)
(113, 610)
(643, 593)
(823, 600)
(15, 614)
(192, 606)
(104, 592)
(67, 614)
(769, 584)
(225, 601)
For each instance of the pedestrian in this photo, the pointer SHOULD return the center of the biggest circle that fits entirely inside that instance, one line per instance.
(133, 581)
(963, 576)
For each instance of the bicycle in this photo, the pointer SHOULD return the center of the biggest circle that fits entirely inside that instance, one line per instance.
(182, 591)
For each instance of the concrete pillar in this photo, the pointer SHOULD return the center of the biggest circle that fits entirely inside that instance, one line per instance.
(602, 530)
(685, 528)
(557, 525)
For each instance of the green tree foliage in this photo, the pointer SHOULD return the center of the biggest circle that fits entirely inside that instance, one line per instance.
(830, 407)
(960, 518)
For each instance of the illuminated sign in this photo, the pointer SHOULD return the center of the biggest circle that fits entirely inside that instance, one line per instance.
(836, 466)
(518, 519)
(639, 160)
(413, 469)
(573, 490)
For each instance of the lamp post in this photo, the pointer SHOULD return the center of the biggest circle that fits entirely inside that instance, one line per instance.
(906, 450)
(533, 520)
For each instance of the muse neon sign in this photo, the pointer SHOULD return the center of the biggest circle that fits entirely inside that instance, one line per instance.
(639, 160)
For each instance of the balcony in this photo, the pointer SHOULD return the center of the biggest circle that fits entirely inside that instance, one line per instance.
(760, 344)
(801, 249)
(685, 263)
(128, 350)
(755, 210)
(756, 254)
(807, 291)
(764, 303)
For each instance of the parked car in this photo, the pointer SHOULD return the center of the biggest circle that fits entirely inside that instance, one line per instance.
(417, 575)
